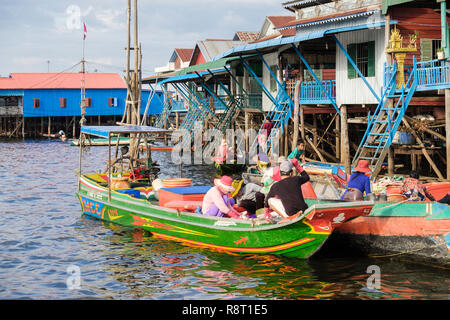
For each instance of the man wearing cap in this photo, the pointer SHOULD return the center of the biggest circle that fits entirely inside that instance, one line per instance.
(285, 196)
(217, 202)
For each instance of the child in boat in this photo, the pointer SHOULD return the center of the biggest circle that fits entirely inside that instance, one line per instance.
(285, 197)
(358, 183)
(217, 202)
(414, 190)
(299, 152)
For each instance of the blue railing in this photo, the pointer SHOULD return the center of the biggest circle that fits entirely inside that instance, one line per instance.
(430, 75)
(178, 106)
(312, 93)
(433, 75)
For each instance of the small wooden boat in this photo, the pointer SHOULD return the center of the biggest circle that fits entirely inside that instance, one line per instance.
(300, 237)
(228, 168)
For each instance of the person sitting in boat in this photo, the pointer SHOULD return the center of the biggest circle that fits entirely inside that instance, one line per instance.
(414, 190)
(249, 197)
(299, 152)
(285, 196)
(262, 164)
(358, 183)
(217, 202)
(62, 135)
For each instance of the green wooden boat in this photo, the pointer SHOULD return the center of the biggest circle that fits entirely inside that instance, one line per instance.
(299, 237)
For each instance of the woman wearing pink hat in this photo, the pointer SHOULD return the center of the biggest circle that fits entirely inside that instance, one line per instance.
(358, 182)
(217, 202)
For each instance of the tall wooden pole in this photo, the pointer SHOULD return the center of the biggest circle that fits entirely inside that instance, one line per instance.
(447, 129)
(446, 46)
(296, 114)
(345, 144)
(338, 137)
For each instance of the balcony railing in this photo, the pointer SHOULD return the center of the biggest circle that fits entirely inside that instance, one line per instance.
(178, 106)
(430, 75)
(433, 75)
(312, 93)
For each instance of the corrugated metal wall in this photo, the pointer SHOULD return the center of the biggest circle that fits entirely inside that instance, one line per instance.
(50, 102)
(355, 91)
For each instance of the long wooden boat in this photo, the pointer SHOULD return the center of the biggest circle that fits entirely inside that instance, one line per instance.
(408, 230)
(299, 237)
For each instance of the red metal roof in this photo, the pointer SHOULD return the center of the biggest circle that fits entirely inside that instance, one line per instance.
(184, 54)
(280, 21)
(247, 36)
(51, 80)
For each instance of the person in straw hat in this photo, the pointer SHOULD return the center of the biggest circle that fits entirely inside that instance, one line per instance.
(359, 182)
(217, 202)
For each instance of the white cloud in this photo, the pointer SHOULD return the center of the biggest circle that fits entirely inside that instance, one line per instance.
(38, 31)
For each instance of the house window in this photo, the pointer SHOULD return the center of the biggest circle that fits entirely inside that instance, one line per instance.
(363, 54)
(429, 48)
(36, 103)
(87, 102)
(63, 102)
(112, 102)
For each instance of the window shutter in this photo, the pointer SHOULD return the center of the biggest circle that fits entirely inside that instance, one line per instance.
(36, 103)
(110, 102)
(87, 102)
(426, 49)
(62, 102)
(371, 59)
(351, 49)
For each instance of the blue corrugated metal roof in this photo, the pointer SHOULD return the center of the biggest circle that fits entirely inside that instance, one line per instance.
(11, 92)
(189, 76)
(271, 43)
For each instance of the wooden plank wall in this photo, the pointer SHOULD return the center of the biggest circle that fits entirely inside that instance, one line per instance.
(426, 21)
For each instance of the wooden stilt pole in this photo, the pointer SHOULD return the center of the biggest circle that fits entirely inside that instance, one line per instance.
(345, 145)
(302, 122)
(447, 129)
(390, 161)
(74, 127)
(49, 125)
(246, 117)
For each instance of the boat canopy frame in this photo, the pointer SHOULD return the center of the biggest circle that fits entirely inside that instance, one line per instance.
(108, 132)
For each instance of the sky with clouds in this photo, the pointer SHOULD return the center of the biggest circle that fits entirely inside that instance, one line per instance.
(35, 32)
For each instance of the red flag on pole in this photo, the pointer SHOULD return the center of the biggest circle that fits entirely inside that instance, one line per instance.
(85, 31)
